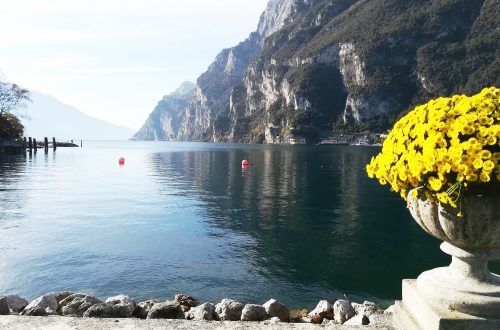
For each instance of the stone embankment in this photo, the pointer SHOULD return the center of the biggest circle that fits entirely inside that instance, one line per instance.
(184, 307)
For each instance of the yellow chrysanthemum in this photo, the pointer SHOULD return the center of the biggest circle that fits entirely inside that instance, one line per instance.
(445, 141)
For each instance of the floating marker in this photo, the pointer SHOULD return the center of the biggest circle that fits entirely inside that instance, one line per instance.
(244, 163)
(121, 161)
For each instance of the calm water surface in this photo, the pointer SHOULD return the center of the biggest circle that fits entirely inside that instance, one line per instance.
(303, 223)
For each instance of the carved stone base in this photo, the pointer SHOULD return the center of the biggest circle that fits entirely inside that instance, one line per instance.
(415, 312)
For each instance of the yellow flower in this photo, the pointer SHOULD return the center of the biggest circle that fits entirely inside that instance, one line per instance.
(483, 177)
(442, 143)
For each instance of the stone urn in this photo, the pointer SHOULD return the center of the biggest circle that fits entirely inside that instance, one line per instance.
(466, 285)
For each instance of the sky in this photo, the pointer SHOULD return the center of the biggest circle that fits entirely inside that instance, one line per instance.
(115, 59)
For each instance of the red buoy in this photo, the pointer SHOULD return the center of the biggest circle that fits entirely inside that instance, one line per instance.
(121, 161)
(244, 163)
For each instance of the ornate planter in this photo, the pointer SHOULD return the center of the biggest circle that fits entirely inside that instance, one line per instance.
(466, 285)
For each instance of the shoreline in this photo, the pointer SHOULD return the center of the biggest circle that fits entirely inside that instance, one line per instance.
(13, 322)
(68, 309)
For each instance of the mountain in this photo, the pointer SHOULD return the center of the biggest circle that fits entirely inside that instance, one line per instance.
(49, 117)
(316, 66)
(165, 120)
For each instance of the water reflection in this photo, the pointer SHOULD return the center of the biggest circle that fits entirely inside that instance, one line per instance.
(314, 217)
(300, 224)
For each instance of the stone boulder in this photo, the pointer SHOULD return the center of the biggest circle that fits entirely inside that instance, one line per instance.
(367, 308)
(229, 310)
(123, 304)
(253, 312)
(45, 305)
(275, 309)
(143, 308)
(274, 320)
(4, 307)
(359, 319)
(166, 310)
(103, 310)
(77, 304)
(205, 311)
(185, 300)
(16, 304)
(342, 311)
(323, 310)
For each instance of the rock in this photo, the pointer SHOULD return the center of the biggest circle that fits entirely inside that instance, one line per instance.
(253, 312)
(390, 309)
(304, 319)
(77, 304)
(329, 323)
(342, 311)
(166, 310)
(61, 295)
(274, 320)
(359, 319)
(123, 304)
(42, 306)
(323, 310)
(103, 310)
(367, 308)
(186, 300)
(380, 319)
(143, 308)
(275, 309)
(297, 314)
(205, 311)
(4, 307)
(16, 303)
(185, 308)
(229, 310)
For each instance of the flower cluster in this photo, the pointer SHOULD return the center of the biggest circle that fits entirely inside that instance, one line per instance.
(443, 146)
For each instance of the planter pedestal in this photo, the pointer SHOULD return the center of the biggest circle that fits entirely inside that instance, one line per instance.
(465, 295)
(414, 312)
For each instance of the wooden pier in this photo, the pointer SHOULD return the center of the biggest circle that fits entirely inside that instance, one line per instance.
(31, 145)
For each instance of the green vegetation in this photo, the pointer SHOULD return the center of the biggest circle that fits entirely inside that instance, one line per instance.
(12, 97)
(10, 127)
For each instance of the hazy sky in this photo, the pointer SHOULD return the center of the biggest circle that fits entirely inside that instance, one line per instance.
(115, 59)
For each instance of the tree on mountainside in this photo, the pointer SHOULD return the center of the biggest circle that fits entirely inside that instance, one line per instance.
(12, 97)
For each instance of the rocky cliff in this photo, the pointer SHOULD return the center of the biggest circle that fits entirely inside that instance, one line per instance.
(164, 122)
(314, 66)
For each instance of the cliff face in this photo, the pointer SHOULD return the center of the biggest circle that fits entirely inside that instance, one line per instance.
(165, 120)
(316, 65)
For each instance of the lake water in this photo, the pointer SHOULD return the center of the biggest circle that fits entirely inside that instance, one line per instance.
(302, 223)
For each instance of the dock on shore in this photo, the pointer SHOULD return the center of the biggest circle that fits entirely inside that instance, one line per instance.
(32, 145)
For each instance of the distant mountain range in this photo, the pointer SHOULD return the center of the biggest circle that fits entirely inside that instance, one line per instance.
(316, 66)
(49, 117)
